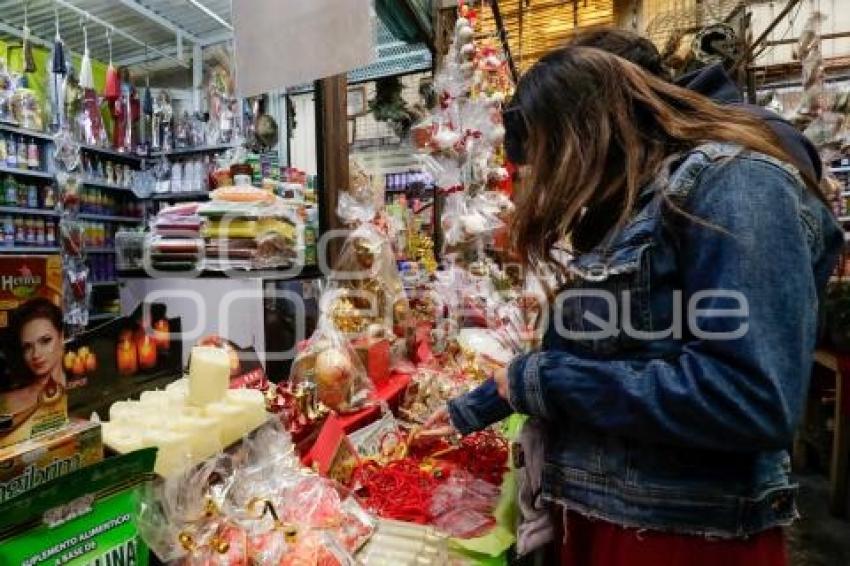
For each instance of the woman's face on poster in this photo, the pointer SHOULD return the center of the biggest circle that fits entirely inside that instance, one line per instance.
(42, 346)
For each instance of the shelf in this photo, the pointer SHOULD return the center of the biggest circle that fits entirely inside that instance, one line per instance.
(29, 250)
(308, 272)
(841, 169)
(102, 316)
(195, 195)
(4, 127)
(110, 218)
(194, 150)
(104, 185)
(32, 173)
(844, 218)
(111, 153)
(28, 211)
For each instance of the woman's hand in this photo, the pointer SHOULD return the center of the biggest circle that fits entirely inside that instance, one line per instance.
(438, 424)
(500, 376)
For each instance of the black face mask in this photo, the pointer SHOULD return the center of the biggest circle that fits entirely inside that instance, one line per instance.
(515, 134)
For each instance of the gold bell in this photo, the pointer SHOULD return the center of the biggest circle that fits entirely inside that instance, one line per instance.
(187, 541)
(220, 545)
(290, 533)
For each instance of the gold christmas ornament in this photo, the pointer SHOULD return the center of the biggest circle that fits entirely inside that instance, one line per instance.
(346, 317)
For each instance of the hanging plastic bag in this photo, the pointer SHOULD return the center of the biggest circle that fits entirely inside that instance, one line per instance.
(365, 288)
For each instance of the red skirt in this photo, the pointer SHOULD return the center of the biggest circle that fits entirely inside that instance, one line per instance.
(593, 542)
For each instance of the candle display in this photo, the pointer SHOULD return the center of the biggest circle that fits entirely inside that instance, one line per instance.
(184, 432)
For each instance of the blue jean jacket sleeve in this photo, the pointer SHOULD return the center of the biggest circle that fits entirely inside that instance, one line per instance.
(479, 408)
(743, 392)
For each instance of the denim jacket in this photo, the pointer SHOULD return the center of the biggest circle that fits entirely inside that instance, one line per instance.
(675, 368)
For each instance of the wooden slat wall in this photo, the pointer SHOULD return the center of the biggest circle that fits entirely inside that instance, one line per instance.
(536, 27)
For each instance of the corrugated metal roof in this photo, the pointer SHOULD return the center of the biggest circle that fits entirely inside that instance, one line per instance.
(157, 23)
(153, 22)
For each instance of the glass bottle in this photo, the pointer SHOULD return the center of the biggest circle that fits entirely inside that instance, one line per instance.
(32, 197)
(11, 153)
(50, 236)
(20, 233)
(11, 186)
(29, 227)
(9, 231)
(22, 154)
(33, 157)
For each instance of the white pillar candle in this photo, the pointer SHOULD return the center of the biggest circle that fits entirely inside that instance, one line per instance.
(204, 434)
(158, 399)
(253, 405)
(173, 452)
(232, 420)
(180, 386)
(125, 411)
(121, 438)
(209, 375)
(248, 398)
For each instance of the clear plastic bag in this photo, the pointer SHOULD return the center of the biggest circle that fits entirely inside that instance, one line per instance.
(463, 505)
(329, 371)
(365, 288)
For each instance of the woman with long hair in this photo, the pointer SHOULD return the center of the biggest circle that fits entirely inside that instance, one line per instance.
(676, 362)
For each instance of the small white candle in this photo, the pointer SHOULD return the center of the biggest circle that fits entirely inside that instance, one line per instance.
(209, 375)
(253, 405)
(125, 411)
(250, 398)
(178, 386)
(121, 438)
(173, 453)
(157, 399)
(204, 434)
(231, 418)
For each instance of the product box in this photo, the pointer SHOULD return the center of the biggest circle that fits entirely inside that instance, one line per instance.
(27, 465)
(32, 378)
(87, 518)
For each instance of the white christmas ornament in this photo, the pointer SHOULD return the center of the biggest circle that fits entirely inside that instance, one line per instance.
(461, 23)
(468, 51)
(498, 174)
(465, 34)
(496, 134)
(496, 98)
(446, 138)
(473, 223)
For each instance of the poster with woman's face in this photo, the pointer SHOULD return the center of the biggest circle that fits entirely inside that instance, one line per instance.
(32, 379)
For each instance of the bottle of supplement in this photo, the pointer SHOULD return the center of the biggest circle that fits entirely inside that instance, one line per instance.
(33, 157)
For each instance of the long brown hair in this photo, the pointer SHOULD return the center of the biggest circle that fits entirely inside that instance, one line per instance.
(597, 129)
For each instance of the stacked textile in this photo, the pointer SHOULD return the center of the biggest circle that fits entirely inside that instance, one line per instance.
(249, 228)
(175, 242)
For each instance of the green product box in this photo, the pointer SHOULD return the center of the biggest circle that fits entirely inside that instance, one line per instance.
(87, 518)
(27, 465)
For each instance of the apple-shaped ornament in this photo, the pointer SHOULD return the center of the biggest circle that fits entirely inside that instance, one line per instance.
(334, 378)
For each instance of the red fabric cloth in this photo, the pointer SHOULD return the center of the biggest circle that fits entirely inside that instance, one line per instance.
(599, 543)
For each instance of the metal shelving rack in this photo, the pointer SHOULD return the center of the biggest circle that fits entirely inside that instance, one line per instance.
(47, 175)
